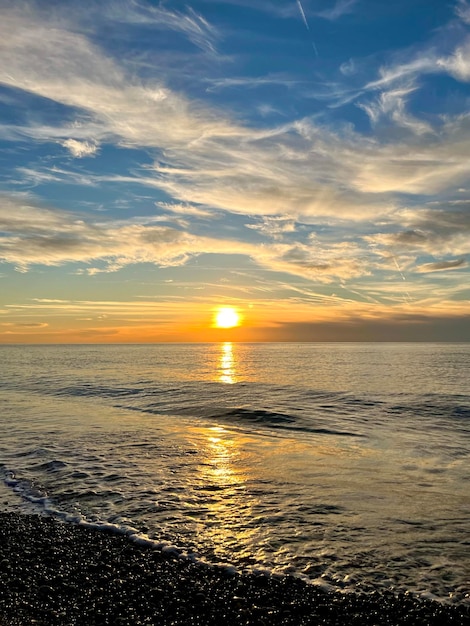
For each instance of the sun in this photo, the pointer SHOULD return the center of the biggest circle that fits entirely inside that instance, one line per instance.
(226, 317)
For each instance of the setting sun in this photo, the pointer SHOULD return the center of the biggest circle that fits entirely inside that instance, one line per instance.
(226, 317)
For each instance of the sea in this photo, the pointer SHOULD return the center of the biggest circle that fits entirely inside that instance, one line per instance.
(345, 464)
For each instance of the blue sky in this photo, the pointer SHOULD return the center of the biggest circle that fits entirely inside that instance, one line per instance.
(306, 162)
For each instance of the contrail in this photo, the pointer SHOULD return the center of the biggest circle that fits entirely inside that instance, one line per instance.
(398, 267)
(304, 17)
(302, 13)
(408, 297)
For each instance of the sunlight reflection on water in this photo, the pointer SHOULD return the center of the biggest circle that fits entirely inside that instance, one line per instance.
(227, 364)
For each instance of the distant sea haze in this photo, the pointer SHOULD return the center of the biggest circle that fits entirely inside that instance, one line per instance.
(344, 464)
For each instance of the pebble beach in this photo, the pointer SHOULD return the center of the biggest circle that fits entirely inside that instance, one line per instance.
(55, 573)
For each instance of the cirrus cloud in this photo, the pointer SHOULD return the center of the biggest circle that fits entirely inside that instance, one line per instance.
(80, 149)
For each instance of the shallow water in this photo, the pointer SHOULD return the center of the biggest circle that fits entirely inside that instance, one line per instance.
(346, 464)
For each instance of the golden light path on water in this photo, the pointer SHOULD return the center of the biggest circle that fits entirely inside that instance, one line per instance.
(234, 518)
(227, 364)
(239, 513)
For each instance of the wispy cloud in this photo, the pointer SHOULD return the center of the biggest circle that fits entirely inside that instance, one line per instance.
(90, 17)
(392, 104)
(441, 266)
(39, 236)
(425, 62)
(249, 82)
(458, 63)
(80, 149)
(275, 227)
(32, 177)
(186, 209)
(462, 9)
(23, 325)
(36, 235)
(340, 8)
(441, 234)
(190, 23)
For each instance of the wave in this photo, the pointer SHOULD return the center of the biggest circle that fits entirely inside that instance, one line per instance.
(276, 420)
(93, 390)
(285, 408)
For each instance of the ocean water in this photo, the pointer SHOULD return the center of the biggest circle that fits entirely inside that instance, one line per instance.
(344, 464)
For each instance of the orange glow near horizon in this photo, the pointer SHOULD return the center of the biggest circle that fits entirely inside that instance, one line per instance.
(226, 317)
(208, 321)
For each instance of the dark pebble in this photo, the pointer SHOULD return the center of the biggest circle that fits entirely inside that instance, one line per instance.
(75, 576)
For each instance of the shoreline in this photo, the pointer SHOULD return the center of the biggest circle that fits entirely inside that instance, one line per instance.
(56, 573)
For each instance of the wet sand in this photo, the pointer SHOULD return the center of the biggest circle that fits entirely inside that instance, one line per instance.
(57, 573)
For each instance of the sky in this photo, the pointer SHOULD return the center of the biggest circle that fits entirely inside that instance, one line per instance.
(306, 162)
